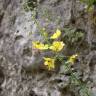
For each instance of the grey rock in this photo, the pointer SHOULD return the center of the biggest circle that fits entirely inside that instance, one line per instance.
(16, 51)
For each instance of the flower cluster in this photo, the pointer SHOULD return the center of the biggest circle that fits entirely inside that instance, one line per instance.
(56, 46)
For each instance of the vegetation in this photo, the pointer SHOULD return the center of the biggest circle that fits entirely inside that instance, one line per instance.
(72, 36)
(30, 5)
(56, 46)
(89, 3)
(91, 7)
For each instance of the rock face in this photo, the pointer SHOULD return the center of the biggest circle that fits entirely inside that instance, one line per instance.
(17, 57)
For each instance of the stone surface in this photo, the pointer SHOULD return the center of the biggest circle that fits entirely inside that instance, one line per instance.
(18, 56)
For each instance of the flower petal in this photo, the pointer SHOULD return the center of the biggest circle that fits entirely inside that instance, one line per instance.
(56, 35)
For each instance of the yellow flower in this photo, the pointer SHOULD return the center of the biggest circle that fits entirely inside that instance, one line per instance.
(72, 58)
(49, 62)
(56, 35)
(57, 46)
(39, 45)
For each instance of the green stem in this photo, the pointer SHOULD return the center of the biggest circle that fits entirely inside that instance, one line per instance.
(74, 77)
(41, 31)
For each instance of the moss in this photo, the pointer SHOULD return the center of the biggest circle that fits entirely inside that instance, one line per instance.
(30, 5)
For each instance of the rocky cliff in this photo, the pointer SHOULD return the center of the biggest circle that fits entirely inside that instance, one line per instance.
(18, 59)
